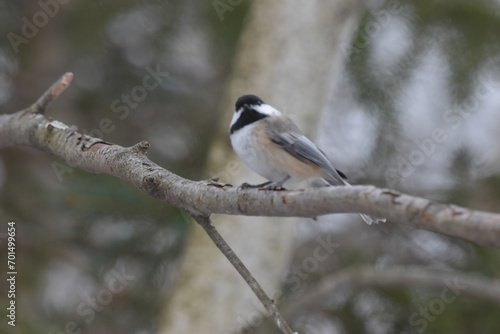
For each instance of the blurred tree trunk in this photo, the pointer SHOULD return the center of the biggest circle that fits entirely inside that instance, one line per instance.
(289, 54)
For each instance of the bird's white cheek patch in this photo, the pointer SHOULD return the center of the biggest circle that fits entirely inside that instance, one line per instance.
(236, 115)
(266, 109)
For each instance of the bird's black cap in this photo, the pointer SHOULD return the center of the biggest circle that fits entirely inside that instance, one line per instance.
(248, 99)
(248, 115)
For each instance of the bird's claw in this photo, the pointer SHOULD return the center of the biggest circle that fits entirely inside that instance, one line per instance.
(246, 185)
(215, 183)
(275, 187)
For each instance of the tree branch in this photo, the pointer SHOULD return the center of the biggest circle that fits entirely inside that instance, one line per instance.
(205, 197)
(364, 276)
(29, 127)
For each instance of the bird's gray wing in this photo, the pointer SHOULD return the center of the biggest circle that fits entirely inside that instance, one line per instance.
(303, 149)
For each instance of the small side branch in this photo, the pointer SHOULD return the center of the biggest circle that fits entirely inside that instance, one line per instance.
(390, 277)
(268, 303)
(51, 94)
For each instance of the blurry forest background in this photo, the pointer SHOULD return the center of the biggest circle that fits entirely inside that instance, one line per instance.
(415, 107)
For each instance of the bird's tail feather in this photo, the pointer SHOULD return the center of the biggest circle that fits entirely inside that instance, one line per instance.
(370, 219)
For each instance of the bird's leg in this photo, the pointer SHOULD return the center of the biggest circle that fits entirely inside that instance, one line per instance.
(277, 185)
(248, 185)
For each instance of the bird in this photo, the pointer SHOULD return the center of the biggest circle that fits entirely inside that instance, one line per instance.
(273, 146)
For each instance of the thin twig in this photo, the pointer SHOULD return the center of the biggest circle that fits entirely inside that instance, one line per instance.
(268, 303)
(407, 276)
(51, 94)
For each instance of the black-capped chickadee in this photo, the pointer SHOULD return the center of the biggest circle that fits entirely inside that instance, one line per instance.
(272, 145)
